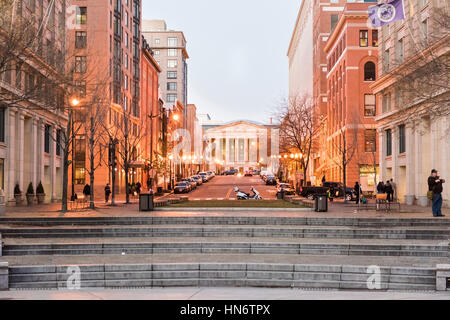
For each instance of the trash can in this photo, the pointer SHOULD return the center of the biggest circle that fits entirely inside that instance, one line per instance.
(280, 195)
(146, 202)
(321, 203)
(159, 190)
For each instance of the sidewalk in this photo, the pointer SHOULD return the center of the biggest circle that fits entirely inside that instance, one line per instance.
(336, 210)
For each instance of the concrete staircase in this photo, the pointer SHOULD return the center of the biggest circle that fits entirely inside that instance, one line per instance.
(225, 251)
(222, 274)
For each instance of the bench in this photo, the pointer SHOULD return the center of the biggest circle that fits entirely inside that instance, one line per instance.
(382, 204)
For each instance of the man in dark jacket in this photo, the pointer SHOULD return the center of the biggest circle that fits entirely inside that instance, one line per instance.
(107, 192)
(435, 185)
(357, 192)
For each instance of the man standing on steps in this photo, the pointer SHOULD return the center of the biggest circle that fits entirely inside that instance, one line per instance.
(435, 186)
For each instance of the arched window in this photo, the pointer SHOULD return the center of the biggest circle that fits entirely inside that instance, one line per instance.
(369, 71)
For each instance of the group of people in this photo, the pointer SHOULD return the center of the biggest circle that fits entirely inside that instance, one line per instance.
(389, 188)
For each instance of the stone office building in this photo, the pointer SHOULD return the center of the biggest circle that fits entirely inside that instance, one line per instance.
(30, 126)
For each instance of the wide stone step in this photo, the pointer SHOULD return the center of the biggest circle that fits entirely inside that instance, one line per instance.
(223, 274)
(232, 231)
(208, 220)
(227, 247)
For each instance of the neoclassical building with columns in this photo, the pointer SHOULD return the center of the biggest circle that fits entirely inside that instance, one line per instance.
(29, 153)
(242, 145)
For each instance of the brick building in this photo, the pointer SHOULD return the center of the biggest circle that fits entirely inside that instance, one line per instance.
(152, 111)
(106, 41)
(352, 51)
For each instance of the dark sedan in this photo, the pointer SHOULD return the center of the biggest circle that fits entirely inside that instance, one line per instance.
(181, 187)
(271, 180)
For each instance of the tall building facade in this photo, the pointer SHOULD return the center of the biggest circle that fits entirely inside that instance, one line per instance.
(170, 51)
(412, 92)
(352, 58)
(106, 41)
(32, 107)
(153, 113)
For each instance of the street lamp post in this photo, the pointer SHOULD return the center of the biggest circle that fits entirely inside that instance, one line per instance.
(74, 102)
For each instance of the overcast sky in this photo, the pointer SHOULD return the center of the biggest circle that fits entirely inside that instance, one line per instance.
(238, 67)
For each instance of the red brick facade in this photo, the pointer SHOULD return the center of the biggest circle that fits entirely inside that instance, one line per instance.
(352, 53)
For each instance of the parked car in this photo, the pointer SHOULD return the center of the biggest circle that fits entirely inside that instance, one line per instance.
(204, 174)
(230, 172)
(271, 180)
(198, 179)
(335, 189)
(256, 172)
(191, 183)
(285, 188)
(210, 174)
(181, 187)
(248, 173)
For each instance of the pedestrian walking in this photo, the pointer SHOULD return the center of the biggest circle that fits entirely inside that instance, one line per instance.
(358, 191)
(87, 192)
(380, 187)
(138, 188)
(107, 192)
(435, 189)
(388, 190)
(394, 189)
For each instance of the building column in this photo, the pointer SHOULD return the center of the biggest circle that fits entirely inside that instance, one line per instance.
(445, 160)
(395, 146)
(40, 152)
(20, 145)
(53, 162)
(227, 151)
(11, 155)
(418, 172)
(410, 178)
(246, 153)
(34, 144)
(382, 154)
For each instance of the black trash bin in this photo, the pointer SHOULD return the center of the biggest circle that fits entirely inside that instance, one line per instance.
(321, 203)
(146, 202)
(280, 195)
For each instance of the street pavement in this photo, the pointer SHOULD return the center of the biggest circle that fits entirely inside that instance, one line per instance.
(219, 294)
(222, 188)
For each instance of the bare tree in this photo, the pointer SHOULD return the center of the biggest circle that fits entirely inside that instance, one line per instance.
(423, 77)
(129, 130)
(344, 147)
(297, 128)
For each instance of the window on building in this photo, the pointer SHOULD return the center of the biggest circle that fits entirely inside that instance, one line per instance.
(386, 61)
(80, 160)
(400, 50)
(425, 29)
(374, 38)
(80, 64)
(334, 18)
(172, 52)
(171, 75)
(172, 63)
(402, 139)
(172, 42)
(81, 15)
(363, 38)
(388, 142)
(47, 139)
(2, 124)
(58, 142)
(156, 52)
(369, 105)
(172, 86)
(80, 39)
(157, 41)
(171, 97)
(369, 71)
(386, 102)
(370, 138)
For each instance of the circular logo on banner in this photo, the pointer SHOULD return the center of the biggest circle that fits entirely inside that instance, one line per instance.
(386, 12)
